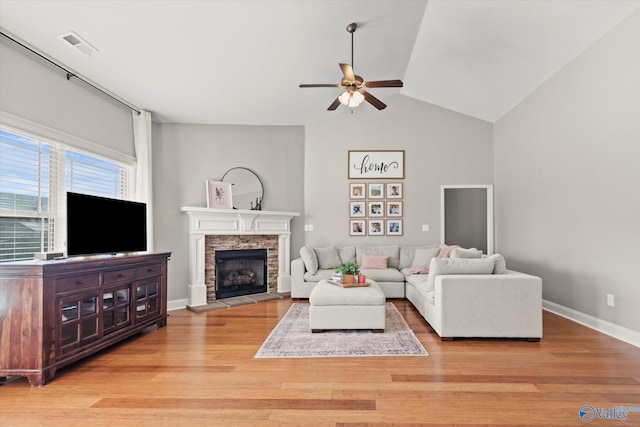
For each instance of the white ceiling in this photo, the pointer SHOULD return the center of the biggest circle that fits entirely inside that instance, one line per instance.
(240, 62)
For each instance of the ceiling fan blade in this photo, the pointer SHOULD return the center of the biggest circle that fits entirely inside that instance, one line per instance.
(373, 100)
(334, 105)
(384, 83)
(320, 85)
(347, 70)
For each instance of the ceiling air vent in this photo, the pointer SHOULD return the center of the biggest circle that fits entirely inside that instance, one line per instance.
(78, 42)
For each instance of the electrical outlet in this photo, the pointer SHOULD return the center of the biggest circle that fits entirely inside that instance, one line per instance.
(611, 302)
(310, 227)
(425, 227)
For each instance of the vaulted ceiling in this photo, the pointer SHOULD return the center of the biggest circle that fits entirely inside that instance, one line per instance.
(240, 62)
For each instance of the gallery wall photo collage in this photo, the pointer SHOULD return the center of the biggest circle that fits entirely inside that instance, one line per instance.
(375, 208)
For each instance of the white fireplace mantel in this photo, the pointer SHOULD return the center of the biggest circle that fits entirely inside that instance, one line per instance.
(211, 222)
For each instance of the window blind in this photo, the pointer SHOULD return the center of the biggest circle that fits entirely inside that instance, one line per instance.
(34, 177)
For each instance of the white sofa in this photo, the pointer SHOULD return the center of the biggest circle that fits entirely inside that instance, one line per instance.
(319, 263)
(465, 293)
(496, 304)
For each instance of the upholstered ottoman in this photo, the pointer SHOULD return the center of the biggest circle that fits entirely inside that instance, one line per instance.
(335, 307)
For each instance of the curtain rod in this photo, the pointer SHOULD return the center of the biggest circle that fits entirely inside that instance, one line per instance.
(69, 73)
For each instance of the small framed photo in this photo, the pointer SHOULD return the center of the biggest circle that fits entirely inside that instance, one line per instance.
(357, 190)
(394, 208)
(357, 227)
(357, 209)
(394, 190)
(376, 227)
(219, 194)
(394, 227)
(376, 209)
(376, 191)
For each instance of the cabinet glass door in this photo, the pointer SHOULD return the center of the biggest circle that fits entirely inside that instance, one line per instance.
(147, 298)
(115, 308)
(79, 320)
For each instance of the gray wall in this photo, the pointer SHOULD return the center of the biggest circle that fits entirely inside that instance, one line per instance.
(185, 156)
(37, 91)
(441, 147)
(567, 175)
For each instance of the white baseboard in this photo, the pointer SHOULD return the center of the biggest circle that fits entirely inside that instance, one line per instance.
(616, 331)
(177, 304)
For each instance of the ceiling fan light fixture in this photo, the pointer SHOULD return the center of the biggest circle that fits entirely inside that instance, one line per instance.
(351, 98)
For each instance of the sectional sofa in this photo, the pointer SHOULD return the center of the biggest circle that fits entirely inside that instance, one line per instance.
(459, 292)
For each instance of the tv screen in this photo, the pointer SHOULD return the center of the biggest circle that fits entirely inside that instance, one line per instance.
(99, 225)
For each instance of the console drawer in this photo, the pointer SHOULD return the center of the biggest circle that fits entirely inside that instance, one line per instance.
(89, 280)
(149, 270)
(122, 275)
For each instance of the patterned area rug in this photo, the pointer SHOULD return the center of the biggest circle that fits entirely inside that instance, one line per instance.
(293, 338)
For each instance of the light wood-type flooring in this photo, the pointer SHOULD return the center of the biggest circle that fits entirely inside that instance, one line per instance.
(200, 371)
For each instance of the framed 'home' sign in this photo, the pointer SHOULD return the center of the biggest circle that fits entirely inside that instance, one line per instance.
(376, 164)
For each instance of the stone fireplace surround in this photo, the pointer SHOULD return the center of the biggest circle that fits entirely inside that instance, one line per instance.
(225, 243)
(248, 227)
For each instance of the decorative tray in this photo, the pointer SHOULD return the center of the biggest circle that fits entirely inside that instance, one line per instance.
(350, 285)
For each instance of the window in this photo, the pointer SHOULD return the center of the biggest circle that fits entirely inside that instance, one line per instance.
(34, 178)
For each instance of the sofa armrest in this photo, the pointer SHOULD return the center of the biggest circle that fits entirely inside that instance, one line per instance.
(297, 273)
(491, 305)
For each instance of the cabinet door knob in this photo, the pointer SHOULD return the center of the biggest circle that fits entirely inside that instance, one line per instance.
(120, 275)
(79, 282)
(149, 270)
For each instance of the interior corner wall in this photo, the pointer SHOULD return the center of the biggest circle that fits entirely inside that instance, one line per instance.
(441, 147)
(38, 92)
(186, 155)
(567, 181)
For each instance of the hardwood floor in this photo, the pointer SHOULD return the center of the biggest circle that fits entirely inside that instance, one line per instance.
(200, 371)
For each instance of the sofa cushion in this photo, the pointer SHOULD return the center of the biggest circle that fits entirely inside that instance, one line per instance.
(408, 253)
(347, 253)
(466, 253)
(374, 261)
(327, 257)
(423, 257)
(383, 275)
(310, 259)
(500, 264)
(416, 279)
(440, 266)
(393, 252)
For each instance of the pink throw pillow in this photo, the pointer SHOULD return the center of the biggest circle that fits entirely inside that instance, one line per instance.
(446, 251)
(374, 261)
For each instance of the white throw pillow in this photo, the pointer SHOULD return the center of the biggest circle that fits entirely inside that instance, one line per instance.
(310, 259)
(423, 256)
(466, 253)
(442, 266)
(500, 266)
(327, 257)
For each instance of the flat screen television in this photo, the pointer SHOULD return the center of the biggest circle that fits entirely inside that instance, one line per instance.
(100, 225)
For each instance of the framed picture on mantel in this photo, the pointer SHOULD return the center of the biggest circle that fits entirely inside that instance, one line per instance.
(219, 195)
(376, 164)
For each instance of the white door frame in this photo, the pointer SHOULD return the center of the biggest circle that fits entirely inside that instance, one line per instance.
(489, 189)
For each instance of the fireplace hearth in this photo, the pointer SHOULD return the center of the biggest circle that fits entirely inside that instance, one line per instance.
(240, 272)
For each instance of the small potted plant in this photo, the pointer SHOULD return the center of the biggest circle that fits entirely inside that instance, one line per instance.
(349, 270)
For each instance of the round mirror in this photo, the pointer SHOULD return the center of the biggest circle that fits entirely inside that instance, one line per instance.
(246, 188)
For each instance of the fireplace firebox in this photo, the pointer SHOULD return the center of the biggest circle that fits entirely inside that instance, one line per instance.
(240, 272)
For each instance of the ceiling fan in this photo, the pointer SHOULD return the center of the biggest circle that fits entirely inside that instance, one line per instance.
(354, 86)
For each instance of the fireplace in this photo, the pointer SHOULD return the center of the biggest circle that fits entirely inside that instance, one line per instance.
(212, 230)
(240, 272)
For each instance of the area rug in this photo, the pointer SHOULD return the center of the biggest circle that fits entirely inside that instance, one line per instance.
(292, 338)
